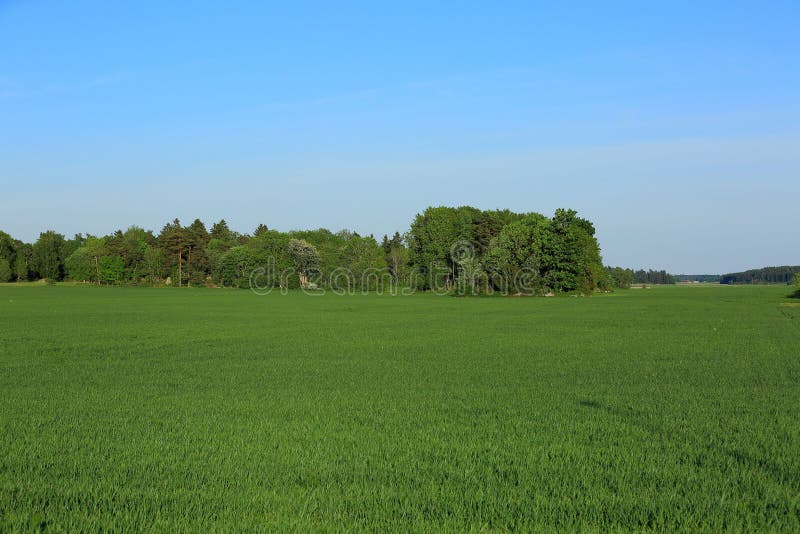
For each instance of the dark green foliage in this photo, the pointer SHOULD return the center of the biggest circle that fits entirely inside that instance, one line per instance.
(795, 287)
(704, 278)
(150, 410)
(221, 232)
(462, 250)
(521, 253)
(8, 252)
(132, 246)
(652, 277)
(431, 239)
(197, 266)
(24, 253)
(6, 274)
(623, 278)
(47, 259)
(235, 266)
(71, 245)
(396, 257)
(620, 278)
(766, 275)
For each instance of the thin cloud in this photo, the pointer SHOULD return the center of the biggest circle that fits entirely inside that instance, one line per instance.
(108, 79)
(10, 88)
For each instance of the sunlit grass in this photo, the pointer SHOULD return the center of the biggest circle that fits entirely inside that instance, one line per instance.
(668, 408)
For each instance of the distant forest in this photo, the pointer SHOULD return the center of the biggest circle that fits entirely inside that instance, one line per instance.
(624, 278)
(464, 248)
(446, 248)
(705, 278)
(767, 275)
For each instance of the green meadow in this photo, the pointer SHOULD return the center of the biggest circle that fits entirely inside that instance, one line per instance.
(671, 408)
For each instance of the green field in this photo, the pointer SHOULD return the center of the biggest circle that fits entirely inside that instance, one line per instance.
(132, 408)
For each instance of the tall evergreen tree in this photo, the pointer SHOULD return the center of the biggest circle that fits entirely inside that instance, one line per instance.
(196, 260)
(173, 239)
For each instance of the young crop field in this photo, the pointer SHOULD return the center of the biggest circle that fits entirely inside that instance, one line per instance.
(673, 408)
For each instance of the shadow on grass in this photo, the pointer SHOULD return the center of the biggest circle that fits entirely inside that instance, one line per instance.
(779, 474)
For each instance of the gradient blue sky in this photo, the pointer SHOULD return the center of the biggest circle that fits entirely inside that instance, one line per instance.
(675, 128)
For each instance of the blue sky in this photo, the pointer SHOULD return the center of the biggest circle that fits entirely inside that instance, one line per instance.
(675, 128)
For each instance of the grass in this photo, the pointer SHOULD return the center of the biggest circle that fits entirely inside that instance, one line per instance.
(674, 408)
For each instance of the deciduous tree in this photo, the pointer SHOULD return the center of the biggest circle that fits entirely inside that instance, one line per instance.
(305, 258)
(47, 259)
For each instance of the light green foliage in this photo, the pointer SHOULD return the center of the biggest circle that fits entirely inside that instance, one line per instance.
(236, 265)
(112, 269)
(329, 249)
(364, 260)
(84, 263)
(153, 262)
(450, 249)
(305, 258)
(519, 246)
(796, 287)
(136, 409)
(397, 258)
(80, 266)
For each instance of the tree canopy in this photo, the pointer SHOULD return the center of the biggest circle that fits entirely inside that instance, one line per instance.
(452, 249)
(766, 275)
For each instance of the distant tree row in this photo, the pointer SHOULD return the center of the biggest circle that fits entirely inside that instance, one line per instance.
(705, 278)
(446, 249)
(624, 278)
(186, 255)
(767, 275)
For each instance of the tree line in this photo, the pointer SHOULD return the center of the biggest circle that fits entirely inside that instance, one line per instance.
(182, 255)
(704, 278)
(623, 278)
(451, 249)
(766, 275)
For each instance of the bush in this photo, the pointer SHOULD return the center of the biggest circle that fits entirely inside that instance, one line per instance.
(795, 287)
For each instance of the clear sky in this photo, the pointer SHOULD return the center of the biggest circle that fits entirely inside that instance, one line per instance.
(674, 127)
